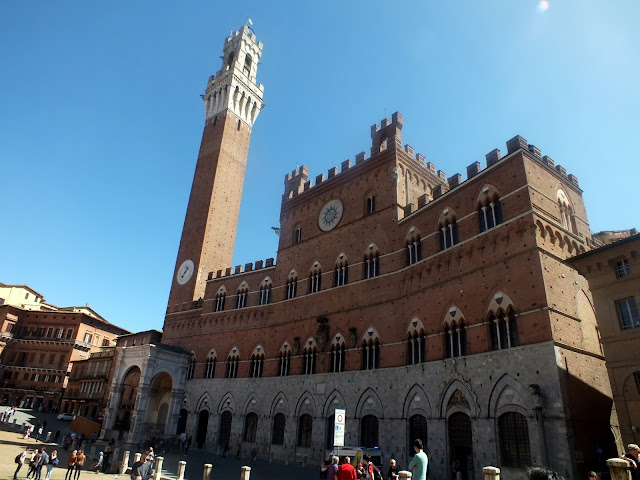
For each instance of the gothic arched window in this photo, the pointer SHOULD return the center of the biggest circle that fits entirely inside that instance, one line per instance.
(338, 354)
(315, 278)
(448, 230)
(489, 208)
(257, 362)
(265, 292)
(292, 285)
(284, 360)
(210, 365)
(192, 366)
(341, 272)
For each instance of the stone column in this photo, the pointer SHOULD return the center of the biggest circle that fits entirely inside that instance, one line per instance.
(619, 469)
(181, 467)
(111, 413)
(404, 474)
(173, 413)
(245, 473)
(491, 473)
(139, 414)
(206, 474)
(125, 461)
(158, 468)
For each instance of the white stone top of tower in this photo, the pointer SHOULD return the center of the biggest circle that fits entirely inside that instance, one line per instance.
(234, 86)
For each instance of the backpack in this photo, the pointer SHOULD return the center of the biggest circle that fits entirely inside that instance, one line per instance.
(18, 458)
(56, 461)
(45, 458)
(376, 473)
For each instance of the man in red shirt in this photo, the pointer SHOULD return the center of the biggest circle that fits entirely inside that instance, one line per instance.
(346, 470)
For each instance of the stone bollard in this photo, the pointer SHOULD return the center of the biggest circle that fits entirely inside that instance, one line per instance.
(136, 457)
(48, 438)
(491, 473)
(245, 473)
(403, 474)
(125, 462)
(619, 469)
(207, 471)
(181, 466)
(158, 468)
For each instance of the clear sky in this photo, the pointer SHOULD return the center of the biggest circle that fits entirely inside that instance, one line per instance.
(101, 118)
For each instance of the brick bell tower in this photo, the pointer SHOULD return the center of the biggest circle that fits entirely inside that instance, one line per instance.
(232, 102)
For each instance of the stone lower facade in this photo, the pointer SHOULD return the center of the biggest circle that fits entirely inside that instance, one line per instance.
(524, 380)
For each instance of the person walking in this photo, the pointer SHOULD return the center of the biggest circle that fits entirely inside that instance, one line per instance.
(332, 470)
(80, 459)
(41, 461)
(418, 465)
(633, 459)
(39, 434)
(71, 465)
(32, 463)
(142, 469)
(53, 461)
(346, 470)
(394, 471)
(21, 458)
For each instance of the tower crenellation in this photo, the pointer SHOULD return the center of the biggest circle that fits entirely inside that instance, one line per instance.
(235, 86)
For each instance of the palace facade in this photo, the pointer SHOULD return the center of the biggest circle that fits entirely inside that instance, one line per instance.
(427, 305)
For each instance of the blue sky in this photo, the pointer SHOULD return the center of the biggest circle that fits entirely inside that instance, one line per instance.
(101, 118)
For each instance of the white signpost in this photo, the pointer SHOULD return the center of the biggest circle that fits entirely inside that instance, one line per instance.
(338, 436)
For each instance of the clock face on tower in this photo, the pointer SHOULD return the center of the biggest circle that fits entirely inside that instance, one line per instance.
(185, 272)
(330, 215)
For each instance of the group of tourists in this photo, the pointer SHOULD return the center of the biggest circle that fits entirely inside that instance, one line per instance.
(341, 468)
(6, 414)
(36, 460)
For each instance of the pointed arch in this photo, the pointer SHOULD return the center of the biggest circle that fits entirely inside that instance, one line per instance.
(306, 405)
(451, 401)
(508, 395)
(280, 404)
(204, 402)
(334, 400)
(369, 404)
(227, 404)
(250, 404)
(416, 403)
(500, 301)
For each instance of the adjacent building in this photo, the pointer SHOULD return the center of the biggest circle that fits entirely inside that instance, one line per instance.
(613, 272)
(40, 342)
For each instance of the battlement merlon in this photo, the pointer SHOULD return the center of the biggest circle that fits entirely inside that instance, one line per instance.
(294, 182)
(387, 134)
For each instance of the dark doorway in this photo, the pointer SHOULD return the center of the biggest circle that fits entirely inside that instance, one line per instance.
(182, 422)
(369, 431)
(225, 429)
(460, 444)
(203, 423)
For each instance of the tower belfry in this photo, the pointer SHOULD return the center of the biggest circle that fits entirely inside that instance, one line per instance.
(232, 102)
